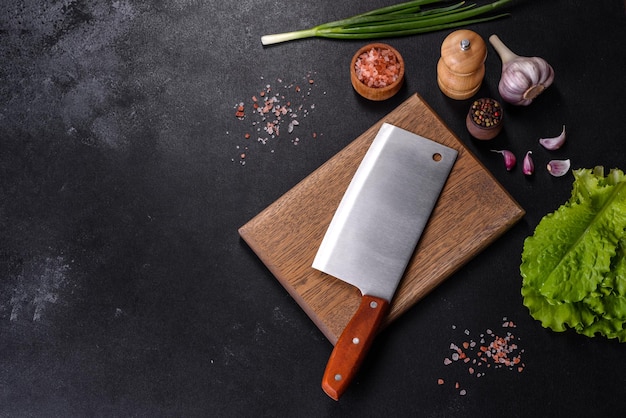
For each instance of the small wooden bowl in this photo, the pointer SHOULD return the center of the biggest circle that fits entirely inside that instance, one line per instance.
(489, 109)
(376, 93)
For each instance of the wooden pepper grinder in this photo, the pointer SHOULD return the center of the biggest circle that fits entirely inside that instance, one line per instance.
(461, 68)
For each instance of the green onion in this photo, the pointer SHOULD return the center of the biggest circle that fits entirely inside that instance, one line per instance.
(401, 19)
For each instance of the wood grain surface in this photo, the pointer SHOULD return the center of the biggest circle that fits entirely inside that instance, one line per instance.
(473, 210)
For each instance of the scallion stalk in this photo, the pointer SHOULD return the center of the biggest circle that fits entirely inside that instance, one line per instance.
(397, 17)
(402, 19)
(395, 8)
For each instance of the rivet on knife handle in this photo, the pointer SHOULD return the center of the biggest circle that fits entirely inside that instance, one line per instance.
(353, 344)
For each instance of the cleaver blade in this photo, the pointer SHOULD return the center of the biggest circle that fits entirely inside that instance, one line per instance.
(373, 234)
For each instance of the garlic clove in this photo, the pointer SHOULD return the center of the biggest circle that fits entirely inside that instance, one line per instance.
(558, 168)
(555, 142)
(523, 78)
(509, 158)
(528, 167)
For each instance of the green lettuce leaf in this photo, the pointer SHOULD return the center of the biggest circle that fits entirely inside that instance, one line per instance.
(574, 266)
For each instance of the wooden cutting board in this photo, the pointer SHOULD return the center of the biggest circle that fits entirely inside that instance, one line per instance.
(473, 210)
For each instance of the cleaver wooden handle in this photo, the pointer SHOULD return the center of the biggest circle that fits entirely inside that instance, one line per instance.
(353, 344)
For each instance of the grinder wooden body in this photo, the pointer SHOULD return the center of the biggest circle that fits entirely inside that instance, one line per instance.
(461, 68)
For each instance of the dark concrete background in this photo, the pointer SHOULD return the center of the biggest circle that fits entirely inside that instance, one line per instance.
(124, 287)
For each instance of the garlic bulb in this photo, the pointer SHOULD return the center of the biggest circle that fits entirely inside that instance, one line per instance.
(523, 78)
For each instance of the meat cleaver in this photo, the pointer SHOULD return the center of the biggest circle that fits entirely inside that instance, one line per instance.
(374, 232)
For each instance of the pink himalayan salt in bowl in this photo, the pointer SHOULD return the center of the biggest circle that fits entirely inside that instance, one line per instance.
(377, 71)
